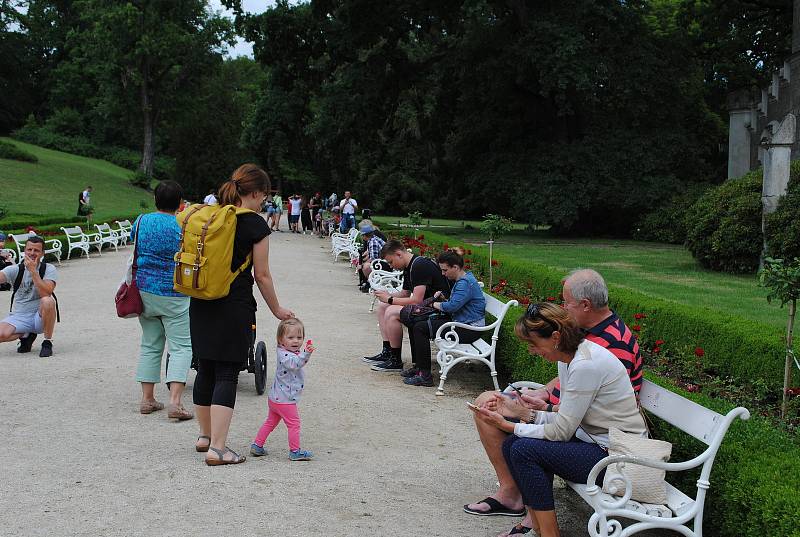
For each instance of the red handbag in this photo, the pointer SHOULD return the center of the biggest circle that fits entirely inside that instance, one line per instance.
(128, 299)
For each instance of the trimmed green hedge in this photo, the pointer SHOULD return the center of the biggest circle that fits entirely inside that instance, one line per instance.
(755, 482)
(12, 152)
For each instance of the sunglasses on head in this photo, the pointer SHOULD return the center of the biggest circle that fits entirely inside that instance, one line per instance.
(534, 313)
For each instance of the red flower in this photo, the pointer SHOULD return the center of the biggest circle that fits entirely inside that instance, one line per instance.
(551, 299)
(693, 388)
(421, 237)
(636, 328)
(524, 301)
(467, 266)
(504, 282)
(446, 246)
(656, 350)
(494, 262)
(699, 352)
(638, 316)
(467, 260)
(659, 342)
(469, 252)
(793, 391)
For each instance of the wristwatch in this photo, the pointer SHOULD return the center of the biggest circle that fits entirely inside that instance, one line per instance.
(549, 407)
(390, 300)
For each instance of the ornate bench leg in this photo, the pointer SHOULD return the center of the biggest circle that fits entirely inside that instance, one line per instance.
(442, 378)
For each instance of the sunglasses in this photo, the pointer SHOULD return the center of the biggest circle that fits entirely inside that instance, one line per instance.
(533, 312)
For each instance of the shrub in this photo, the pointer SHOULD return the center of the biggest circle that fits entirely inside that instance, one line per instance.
(755, 476)
(67, 121)
(723, 227)
(783, 226)
(141, 179)
(666, 223)
(12, 152)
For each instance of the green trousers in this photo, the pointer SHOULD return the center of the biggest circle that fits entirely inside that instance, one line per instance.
(165, 320)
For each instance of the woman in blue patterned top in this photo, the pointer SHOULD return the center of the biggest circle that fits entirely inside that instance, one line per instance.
(166, 312)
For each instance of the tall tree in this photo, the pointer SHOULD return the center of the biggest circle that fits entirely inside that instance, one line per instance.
(147, 48)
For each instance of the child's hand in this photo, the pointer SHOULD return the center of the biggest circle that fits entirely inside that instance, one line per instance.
(310, 347)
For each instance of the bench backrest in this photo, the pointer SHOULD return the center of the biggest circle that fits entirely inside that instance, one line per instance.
(124, 224)
(494, 306)
(691, 418)
(103, 228)
(73, 232)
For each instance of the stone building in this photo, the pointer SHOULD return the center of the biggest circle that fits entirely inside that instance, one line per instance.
(756, 114)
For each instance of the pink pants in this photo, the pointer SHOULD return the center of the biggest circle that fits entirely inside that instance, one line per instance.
(277, 412)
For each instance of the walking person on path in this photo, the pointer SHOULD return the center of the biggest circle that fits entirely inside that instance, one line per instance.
(165, 318)
(292, 355)
(222, 329)
(275, 225)
(348, 207)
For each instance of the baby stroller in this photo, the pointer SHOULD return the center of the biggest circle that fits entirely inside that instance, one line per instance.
(256, 362)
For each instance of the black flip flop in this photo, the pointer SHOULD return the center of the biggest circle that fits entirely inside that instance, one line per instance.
(519, 529)
(495, 509)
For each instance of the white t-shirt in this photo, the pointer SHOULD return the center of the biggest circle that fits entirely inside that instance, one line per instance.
(85, 195)
(210, 200)
(348, 206)
(27, 298)
(295, 203)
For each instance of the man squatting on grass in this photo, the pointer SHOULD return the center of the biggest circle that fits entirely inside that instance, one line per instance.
(422, 278)
(586, 299)
(34, 308)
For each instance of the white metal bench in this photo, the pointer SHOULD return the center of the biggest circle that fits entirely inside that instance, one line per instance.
(383, 280)
(106, 235)
(78, 240)
(345, 243)
(124, 228)
(52, 246)
(695, 420)
(10, 251)
(452, 353)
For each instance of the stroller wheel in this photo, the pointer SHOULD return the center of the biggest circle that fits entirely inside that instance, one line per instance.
(260, 363)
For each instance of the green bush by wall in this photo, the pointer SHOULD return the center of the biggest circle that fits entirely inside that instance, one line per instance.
(12, 152)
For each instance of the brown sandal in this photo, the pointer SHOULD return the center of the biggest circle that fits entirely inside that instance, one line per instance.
(148, 407)
(202, 449)
(177, 412)
(221, 454)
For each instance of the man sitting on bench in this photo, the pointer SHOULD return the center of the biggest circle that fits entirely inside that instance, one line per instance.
(34, 309)
(422, 278)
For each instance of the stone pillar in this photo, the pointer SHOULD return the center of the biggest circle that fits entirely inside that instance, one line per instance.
(777, 140)
(739, 107)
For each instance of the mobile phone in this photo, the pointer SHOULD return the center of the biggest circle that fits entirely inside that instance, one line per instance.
(519, 392)
(472, 406)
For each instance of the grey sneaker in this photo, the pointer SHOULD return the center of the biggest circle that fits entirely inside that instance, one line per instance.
(389, 366)
(410, 372)
(420, 379)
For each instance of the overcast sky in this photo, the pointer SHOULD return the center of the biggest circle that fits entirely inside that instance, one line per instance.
(242, 48)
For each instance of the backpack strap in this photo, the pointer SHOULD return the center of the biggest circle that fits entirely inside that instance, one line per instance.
(178, 272)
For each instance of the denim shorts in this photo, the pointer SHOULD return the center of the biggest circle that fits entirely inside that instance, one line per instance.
(24, 323)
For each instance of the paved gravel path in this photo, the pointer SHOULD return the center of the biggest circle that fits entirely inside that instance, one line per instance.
(80, 460)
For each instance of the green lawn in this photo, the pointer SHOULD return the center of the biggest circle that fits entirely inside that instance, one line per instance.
(659, 270)
(51, 186)
(436, 223)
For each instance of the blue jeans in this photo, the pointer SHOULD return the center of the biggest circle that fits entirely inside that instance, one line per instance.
(348, 221)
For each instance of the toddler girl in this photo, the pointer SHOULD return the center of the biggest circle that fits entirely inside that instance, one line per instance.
(285, 392)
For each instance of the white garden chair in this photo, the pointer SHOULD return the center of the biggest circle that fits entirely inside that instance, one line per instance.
(383, 280)
(52, 246)
(124, 228)
(78, 240)
(107, 236)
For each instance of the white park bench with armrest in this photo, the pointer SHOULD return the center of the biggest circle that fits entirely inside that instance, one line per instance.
(124, 228)
(345, 243)
(52, 246)
(695, 420)
(107, 236)
(11, 252)
(78, 240)
(383, 280)
(451, 352)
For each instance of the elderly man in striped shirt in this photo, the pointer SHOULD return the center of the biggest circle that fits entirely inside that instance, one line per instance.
(586, 298)
(374, 244)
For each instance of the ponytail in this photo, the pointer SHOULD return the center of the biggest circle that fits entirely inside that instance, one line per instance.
(246, 179)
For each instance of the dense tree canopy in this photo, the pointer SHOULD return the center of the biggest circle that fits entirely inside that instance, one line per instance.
(580, 114)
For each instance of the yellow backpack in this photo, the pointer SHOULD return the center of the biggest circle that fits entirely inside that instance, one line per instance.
(203, 264)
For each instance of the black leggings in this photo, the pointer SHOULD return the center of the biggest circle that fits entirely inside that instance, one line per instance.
(215, 383)
(421, 333)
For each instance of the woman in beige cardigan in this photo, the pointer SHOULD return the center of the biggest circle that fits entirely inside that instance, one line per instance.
(596, 395)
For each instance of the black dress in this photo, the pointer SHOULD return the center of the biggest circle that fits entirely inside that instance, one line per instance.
(221, 329)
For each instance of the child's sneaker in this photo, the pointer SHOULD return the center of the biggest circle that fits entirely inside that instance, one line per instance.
(300, 455)
(257, 451)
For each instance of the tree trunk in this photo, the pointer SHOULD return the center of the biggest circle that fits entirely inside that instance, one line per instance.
(148, 116)
(787, 371)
